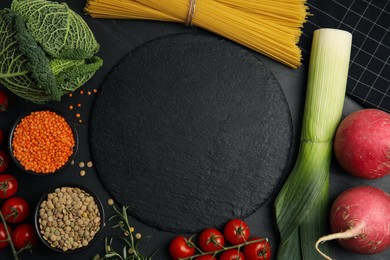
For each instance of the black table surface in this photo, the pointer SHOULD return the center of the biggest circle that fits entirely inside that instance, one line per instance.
(117, 38)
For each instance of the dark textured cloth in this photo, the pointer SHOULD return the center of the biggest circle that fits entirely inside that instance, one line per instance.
(369, 23)
(190, 131)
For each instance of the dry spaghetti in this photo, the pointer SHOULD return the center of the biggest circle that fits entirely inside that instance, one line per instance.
(271, 27)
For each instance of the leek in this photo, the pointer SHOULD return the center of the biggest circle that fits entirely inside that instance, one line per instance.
(301, 207)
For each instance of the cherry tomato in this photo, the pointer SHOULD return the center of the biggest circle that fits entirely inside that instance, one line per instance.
(181, 247)
(206, 257)
(8, 186)
(24, 235)
(15, 210)
(3, 101)
(3, 236)
(232, 254)
(211, 239)
(4, 161)
(236, 232)
(258, 251)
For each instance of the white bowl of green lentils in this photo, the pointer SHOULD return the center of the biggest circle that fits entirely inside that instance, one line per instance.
(69, 218)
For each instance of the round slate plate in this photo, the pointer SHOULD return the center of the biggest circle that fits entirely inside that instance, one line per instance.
(190, 131)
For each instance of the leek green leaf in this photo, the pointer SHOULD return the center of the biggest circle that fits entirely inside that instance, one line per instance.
(301, 206)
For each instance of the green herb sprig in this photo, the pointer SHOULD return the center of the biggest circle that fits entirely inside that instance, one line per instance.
(130, 239)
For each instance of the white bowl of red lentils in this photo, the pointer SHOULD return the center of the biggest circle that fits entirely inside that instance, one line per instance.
(43, 142)
(69, 218)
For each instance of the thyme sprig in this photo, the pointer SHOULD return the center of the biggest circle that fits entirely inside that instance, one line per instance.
(130, 250)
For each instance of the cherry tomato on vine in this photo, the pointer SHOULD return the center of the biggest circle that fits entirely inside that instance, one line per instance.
(3, 235)
(24, 235)
(8, 186)
(181, 247)
(211, 239)
(206, 257)
(4, 161)
(257, 251)
(232, 254)
(236, 231)
(3, 101)
(15, 210)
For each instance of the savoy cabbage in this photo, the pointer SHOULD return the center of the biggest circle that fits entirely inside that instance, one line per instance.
(43, 63)
(59, 31)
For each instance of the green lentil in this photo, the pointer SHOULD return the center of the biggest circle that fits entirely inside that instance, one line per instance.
(69, 218)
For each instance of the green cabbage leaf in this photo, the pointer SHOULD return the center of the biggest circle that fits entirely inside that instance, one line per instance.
(23, 66)
(60, 31)
(70, 73)
(28, 70)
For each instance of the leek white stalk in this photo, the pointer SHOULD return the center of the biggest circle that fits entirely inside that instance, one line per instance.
(301, 207)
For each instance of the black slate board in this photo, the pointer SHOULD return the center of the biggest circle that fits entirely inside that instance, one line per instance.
(190, 131)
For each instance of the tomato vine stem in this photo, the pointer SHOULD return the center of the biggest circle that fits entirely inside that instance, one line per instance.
(225, 249)
(9, 239)
(193, 244)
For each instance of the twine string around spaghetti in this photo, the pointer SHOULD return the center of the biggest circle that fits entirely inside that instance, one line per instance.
(191, 12)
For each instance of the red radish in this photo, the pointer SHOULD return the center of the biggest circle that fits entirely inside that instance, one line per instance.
(360, 220)
(362, 143)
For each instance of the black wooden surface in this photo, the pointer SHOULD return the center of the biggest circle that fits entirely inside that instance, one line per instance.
(117, 38)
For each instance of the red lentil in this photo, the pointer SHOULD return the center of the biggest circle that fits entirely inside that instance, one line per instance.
(79, 104)
(70, 107)
(89, 92)
(70, 94)
(81, 92)
(78, 115)
(43, 142)
(94, 90)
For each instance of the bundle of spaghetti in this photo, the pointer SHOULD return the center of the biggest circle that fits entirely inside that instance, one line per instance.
(270, 27)
(287, 13)
(124, 9)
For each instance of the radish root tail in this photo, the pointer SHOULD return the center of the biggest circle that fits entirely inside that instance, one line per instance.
(352, 232)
